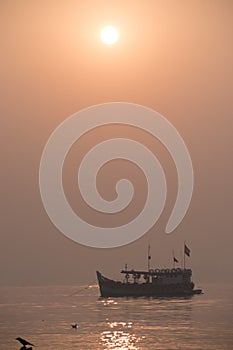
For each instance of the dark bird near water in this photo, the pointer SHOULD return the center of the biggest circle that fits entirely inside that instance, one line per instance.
(24, 342)
(75, 326)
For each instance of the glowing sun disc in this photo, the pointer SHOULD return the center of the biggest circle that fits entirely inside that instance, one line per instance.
(109, 35)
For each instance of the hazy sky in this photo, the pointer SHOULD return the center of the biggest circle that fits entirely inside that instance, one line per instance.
(173, 56)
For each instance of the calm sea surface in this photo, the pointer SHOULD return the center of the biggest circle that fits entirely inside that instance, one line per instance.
(43, 315)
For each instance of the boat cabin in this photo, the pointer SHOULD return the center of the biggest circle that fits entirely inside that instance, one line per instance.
(158, 276)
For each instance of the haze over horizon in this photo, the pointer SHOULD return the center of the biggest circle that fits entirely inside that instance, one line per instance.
(174, 57)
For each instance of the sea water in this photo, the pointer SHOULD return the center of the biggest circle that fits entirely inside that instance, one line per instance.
(43, 316)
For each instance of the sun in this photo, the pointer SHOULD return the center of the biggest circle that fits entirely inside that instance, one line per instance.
(109, 35)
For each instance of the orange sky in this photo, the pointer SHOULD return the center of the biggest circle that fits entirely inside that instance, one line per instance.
(175, 57)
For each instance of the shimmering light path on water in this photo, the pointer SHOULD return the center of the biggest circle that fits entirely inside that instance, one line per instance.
(43, 315)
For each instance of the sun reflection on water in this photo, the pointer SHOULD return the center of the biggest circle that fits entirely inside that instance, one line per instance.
(119, 336)
(109, 302)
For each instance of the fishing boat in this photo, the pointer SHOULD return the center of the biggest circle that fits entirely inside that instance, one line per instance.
(173, 282)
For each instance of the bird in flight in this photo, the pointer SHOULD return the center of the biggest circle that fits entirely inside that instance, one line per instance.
(24, 342)
(75, 326)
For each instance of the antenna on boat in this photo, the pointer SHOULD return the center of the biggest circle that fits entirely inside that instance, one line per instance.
(148, 257)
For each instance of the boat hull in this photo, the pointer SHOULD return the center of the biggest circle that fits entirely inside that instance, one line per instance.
(111, 288)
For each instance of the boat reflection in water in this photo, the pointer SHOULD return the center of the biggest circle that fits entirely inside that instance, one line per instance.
(118, 336)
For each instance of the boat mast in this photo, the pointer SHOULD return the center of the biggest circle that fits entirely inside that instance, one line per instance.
(181, 257)
(148, 257)
(184, 254)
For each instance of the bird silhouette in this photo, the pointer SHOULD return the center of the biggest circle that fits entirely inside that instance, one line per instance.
(75, 326)
(24, 343)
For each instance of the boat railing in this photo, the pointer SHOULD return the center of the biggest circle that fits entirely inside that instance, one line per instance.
(157, 272)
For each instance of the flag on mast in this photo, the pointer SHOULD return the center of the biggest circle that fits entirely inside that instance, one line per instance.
(174, 259)
(186, 250)
(148, 257)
